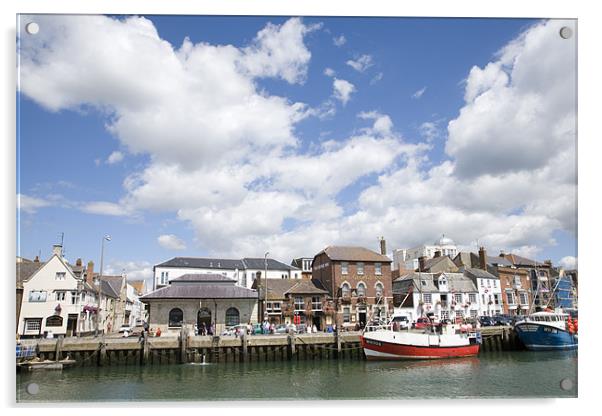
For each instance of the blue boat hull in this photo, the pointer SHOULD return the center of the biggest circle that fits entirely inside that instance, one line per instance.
(538, 337)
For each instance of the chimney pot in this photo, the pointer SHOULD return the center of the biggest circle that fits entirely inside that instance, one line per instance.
(36, 260)
(421, 263)
(78, 262)
(483, 258)
(383, 246)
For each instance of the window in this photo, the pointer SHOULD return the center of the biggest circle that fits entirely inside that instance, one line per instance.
(472, 298)
(276, 306)
(361, 289)
(73, 298)
(299, 304)
(423, 282)
(458, 297)
(379, 289)
(33, 325)
(524, 299)
(378, 269)
(495, 283)
(346, 314)
(344, 268)
(460, 313)
(473, 313)
(176, 317)
(496, 299)
(232, 317)
(444, 314)
(316, 304)
(164, 278)
(517, 283)
(345, 290)
(54, 320)
(427, 297)
(37, 296)
(360, 268)
(59, 276)
(60, 296)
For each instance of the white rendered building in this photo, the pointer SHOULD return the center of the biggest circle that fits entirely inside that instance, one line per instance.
(408, 258)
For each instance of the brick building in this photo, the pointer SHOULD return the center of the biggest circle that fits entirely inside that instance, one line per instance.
(359, 282)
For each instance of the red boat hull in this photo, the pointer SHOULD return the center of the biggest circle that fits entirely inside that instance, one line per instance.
(376, 351)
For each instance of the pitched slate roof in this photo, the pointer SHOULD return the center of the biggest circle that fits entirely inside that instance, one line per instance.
(351, 253)
(203, 277)
(457, 282)
(305, 287)
(523, 261)
(479, 273)
(25, 270)
(111, 285)
(415, 279)
(200, 291)
(259, 263)
(202, 263)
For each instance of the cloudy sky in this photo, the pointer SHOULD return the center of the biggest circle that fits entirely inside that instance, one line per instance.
(233, 136)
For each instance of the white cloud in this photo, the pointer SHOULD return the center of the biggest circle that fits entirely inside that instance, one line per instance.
(343, 90)
(418, 94)
(171, 242)
(115, 157)
(197, 112)
(134, 270)
(339, 41)
(429, 130)
(31, 204)
(361, 64)
(329, 72)
(105, 208)
(568, 262)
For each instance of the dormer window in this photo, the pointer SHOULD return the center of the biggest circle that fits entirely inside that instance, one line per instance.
(423, 282)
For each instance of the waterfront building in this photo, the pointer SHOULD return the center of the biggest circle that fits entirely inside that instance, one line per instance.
(196, 299)
(407, 259)
(565, 292)
(56, 299)
(358, 280)
(25, 268)
(539, 277)
(245, 271)
(303, 298)
(303, 264)
(446, 295)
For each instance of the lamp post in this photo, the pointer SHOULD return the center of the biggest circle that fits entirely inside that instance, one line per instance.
(265, 297)
(102, 253)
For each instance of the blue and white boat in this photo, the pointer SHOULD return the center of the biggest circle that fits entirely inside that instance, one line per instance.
(544, 331)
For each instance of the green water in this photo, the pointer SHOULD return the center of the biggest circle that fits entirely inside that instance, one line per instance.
(500, 374)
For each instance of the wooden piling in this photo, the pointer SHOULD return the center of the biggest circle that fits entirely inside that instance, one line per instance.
(57, 350)
(102, 356)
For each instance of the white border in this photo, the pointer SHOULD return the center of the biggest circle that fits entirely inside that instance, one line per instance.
(589, 31)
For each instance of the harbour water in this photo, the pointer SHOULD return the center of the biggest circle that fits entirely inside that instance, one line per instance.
(490, 375)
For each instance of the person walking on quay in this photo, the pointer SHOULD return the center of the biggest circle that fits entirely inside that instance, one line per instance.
(210, 329)
(314, 328)
(202, 329)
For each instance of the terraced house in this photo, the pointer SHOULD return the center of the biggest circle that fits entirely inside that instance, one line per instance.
(359, 282)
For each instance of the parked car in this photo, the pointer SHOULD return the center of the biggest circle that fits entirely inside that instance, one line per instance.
(125, 327)
(502, 320)
(241, 329)
(281, 329)
(256, 330)
(403, 321)
(517, 318)
(421, 323)
(486, 321)
(301, 329)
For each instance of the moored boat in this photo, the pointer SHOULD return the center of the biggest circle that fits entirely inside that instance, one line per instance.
(444, 341)
(544, 331)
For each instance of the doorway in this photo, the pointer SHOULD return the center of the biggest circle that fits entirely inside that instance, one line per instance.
(71, 324)
(362, 316)
(317, 322)
(203, 320)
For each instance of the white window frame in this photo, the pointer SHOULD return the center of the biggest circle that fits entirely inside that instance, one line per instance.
(41, 297)
(344, 267)
(299, 303)
(60, 276)
(472, 297)
(382, 289)
(360, 266)
(427, 298)
(60, 295)
(378, 269)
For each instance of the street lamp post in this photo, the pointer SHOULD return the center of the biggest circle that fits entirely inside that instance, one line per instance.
(102, 253)
(265, 297)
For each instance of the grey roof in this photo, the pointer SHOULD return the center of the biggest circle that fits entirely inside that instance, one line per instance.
(350, 253)
(415, 279)
(108, 290)
(457, 282)
(201, 291)
(203, 277)
(111, 285)
(479, 273)
(230, 264)
(523, 261)
(259, 263)
(203, 263)
(25, 270)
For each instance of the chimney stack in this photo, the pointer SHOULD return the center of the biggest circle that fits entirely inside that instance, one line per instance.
(383, 246)
(548, 263)
(483, 258)
(37, 259)
(57, 249)
(90, 273)
(438, 253)
(78, 262)
(421, 263)
(502, 253)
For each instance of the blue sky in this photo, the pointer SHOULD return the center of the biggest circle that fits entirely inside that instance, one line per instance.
(419, 127)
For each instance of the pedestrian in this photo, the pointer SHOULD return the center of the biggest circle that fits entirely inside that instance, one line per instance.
(334, 327)
(203, 329)
(309, 329)
(210, 330)
(314, 328)
(158, 333)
